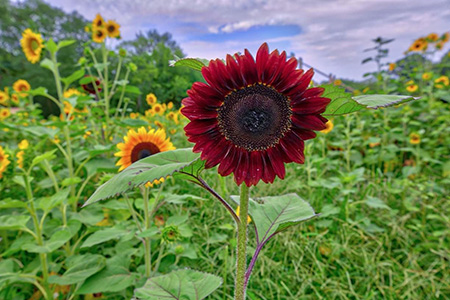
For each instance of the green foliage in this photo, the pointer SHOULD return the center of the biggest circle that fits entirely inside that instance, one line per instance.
(177, 285)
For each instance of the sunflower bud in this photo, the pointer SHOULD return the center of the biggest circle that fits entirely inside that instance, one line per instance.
(132, 67)
(179, 250)
(122, 52)
(170, 234)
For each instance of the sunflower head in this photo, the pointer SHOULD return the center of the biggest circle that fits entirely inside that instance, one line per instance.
(21, 86)
(90, 87)
(112, 28)
(414, 138)
(151, 99)
(252, 116)
(442, 82)
(20, 158)
(432, 37)
(71, 92)
(24, 144)
(32, 45)
(419, 45)
(392, 67)
(426, 76)
(4, 113)
(140, 144)
(412, 87)
(4, 98)
(158, 109)
(4, 161)
(98, 21)
(99, 34)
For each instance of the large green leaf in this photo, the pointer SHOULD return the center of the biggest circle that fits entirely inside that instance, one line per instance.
(48, 203)
(81, 268)
(16, 222)
(194, 63)
(180, 285)
(58, 239)
(102, 236)
(73, 77)
(377, 101)
(114, 278)
(162, 164)
(274, 214)
(10, 203)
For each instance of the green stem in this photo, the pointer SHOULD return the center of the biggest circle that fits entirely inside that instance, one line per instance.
(160, 256)
(241, 263)
(121, 95)
(147, 254)
(39, 239)
(105, 82)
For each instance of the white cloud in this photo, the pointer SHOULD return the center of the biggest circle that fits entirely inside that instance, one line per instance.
(334, 32)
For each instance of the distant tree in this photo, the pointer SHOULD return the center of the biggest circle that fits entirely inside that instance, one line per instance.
(147, 42)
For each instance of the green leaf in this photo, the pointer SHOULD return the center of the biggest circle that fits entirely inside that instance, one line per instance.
(376, 203)
(48, 203)
(71, 181)
(40, 131)
(275, 214)
(194, 63)
(73, 77)
(114, 278)
(100, 165)
(132, 89)
(180, 285)
(16, 222)
(86, 80)
(65, 43)
(131, 122)
(51, 46)
(102, 236)
(341, 101)
(9, 203)
(81, 268)
(40, 91)
(46, 156)
(376, 101)
(58, 239)
(162, 164)
(48, 64)
(191, 172)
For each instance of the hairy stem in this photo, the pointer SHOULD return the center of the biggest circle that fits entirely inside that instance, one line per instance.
(242, 245)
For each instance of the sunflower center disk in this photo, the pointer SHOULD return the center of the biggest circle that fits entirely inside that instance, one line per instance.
(254, 118)
(143, 150)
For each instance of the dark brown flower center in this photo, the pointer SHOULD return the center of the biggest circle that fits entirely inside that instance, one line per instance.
(143, 150)
(255, 117)
(111, 28)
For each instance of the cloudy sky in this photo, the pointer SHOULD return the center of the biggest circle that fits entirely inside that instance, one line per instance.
(330, 35)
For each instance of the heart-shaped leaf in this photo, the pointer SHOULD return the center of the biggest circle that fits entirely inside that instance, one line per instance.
(180, 285)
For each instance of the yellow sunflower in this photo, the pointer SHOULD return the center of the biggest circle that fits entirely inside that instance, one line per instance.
(337, 82)
(15, 99)
(173, 116)
(140, 144)
(412, 88)
(4, 162)
(151, 99)
(24, 144)
(170, 105)
(20, 158)
(4, 98)
(32, 45)
(158, 109)
(414, 138)
(4, 113)
(21, 86)
(329, 126)
(99, 34)
(134, 115)
(159, 124)
(71, 92)
(392, 67)
(441, 82)
(112, 29)
(445, 37)
(419, 45)
(98, 21)
(426, 76)
(433, 37)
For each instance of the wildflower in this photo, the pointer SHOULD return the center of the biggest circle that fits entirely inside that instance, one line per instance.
(337, 82)
(392, 67)
(419, 45)
(441, 82)
(158, 109)
(112, 29)
(32, 45)
(99, 34)
(253, 116)
(98, 21)
(71, 92)
(20, 158)
(414, 138)
(170, 105)
(4, 161)
(4, 113)
(151, 99)
(4, 98)
(23, 144)
(134, 115)
(141, 144)
(433, 37)
(21, 86)
(329, 126)
(426, 76)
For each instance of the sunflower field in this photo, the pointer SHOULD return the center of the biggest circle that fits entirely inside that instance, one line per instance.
(237, 178)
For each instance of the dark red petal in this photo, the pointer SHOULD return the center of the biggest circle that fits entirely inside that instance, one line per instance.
(234, 71)
(216, 154)
(204, 95)
(268, 172)
(211, 78)
(255, 173)
(273, 73)
(293, 146)
(197, 127)
(302, 85)
(277, 162)
(313, 122)
(248, 68)
(261, 59)
(313, 92)
(223, 77)
(229, 162)
(304, 134)
(196, 112)
(290, 81)
(310, 105)
(240, 172)
(286, 73)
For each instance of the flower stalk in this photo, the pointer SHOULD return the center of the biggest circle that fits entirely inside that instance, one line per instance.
(241, 263)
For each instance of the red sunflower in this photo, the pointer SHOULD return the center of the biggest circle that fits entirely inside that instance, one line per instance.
(89, 87)
(251, 116)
